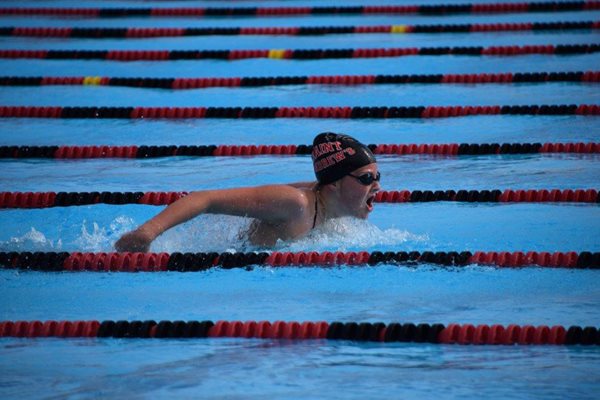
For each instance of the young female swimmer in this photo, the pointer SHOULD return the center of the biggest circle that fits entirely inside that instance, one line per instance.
(347, 181)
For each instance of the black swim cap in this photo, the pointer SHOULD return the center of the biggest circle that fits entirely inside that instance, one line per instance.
(335, 155)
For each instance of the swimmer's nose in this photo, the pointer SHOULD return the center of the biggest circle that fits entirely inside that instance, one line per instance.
(376, 186)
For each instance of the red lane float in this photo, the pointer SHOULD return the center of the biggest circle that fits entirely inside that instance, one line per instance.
(464, 334)
(441, 9)
(102, 33)
(450, 149)
(194, 262)
(304, 54)
(66, 199)
(293, 112)
(500, 335)
(507, 196)
(121, 262)
(79, 152)
(199, 83)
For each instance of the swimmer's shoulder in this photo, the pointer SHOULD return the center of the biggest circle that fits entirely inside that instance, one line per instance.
(294, 188)
(295, 197)
(311, 185)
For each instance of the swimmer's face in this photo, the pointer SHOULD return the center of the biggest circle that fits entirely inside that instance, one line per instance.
(357, 198)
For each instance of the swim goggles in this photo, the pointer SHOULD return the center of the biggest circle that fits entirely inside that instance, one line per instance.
(367, 178)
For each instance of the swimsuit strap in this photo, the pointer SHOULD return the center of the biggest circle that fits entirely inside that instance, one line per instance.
(316, 210)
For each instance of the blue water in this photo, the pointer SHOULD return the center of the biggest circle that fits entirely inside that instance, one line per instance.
(236, 368)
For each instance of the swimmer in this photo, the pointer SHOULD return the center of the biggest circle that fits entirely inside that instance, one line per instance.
(347, 181)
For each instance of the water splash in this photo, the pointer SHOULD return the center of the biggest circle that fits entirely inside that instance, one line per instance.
(92, 238)
(225, 234)
(218, 233)
(346, 234)
(102, 239)
(206, 233)
(33, 240)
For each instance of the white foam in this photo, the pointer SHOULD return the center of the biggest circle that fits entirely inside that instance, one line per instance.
(33, 240)
(347, 233)
(93, 238)
(206, 233)
(218, 233)
(100, 238)
(225, 234)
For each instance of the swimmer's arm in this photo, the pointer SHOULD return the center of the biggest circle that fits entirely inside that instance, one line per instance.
(273, 204)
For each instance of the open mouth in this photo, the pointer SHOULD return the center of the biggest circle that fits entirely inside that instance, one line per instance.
(370, 202)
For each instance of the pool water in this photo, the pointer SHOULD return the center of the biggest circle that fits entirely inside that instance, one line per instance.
(248, 368)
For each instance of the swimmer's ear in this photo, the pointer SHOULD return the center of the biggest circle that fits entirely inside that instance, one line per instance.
(336, 185)
(332, 187)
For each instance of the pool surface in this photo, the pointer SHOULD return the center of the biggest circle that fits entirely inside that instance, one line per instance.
(232, 368)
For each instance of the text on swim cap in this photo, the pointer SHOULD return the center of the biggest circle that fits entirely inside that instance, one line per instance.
(324, 148)
(334, 158)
